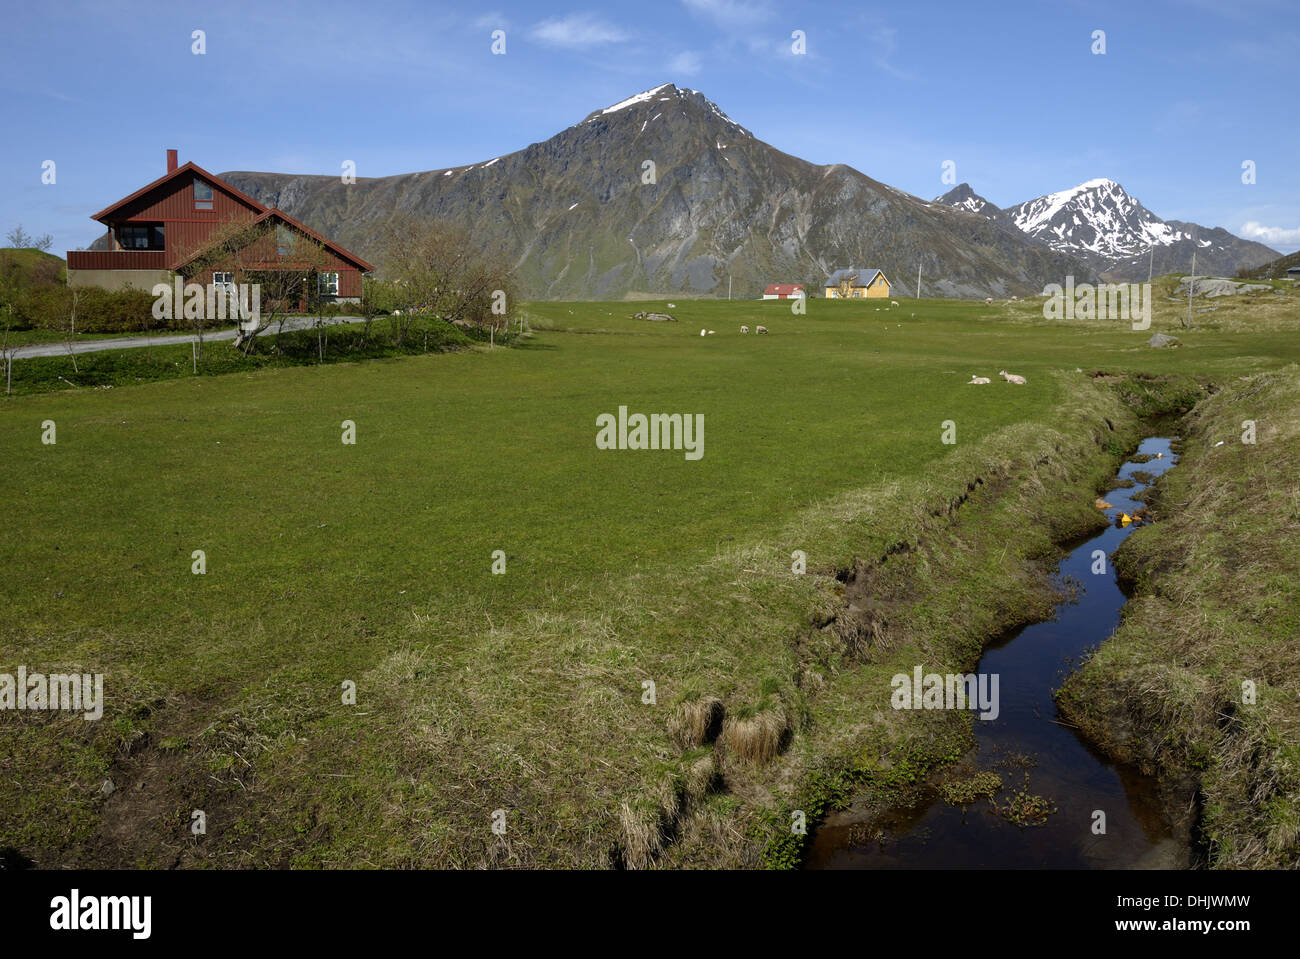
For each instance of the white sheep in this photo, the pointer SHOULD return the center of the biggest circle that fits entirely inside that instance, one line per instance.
(703, 332)
(1012, 378)
(760, 329)
(988, 301)
(672, 306)
(977, 380)
(711, 332)
(744, 329)
(893, 303)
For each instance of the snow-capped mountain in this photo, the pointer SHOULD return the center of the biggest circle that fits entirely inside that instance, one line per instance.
(1096, 217)
(1103, 225)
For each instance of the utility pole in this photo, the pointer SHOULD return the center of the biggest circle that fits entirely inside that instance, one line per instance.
(918, 281)
(728, 286)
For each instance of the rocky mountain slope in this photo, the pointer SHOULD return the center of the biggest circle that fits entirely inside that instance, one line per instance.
(577, 217)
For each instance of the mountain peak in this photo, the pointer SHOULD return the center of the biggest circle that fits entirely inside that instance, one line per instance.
(656, 99)
(963, 197)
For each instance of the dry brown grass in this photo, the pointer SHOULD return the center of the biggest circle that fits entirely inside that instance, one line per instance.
(696, 722)
(756, 738)
(1240, 313)
(642, 836)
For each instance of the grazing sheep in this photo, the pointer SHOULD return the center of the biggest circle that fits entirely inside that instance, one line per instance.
(988, 301)
(703, 332)
(744, 329)
(760, 329)
(672, 306)
(977, 380)
(1014, 298)
(893, 303)
(1012, 378)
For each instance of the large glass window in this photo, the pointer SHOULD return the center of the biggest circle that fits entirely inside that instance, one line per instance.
(327, 284)
(135, 236)
(202, 195)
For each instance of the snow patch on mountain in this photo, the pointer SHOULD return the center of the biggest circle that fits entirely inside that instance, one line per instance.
(638, 98)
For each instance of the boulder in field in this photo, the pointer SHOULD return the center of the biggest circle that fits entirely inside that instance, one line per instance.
(1161, 340)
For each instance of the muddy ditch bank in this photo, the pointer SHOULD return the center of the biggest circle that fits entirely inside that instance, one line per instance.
(1198, 686)
(1033, 791)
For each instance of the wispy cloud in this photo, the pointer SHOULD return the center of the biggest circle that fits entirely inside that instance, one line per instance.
(731, 14)
(578, 31)
(1272, 235)
(687, 63)
(884, 43)
(491, 21)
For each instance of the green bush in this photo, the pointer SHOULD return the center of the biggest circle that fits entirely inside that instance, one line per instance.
(117, 311)
(97, 310)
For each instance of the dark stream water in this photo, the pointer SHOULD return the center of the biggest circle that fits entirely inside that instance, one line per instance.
(1029, 747)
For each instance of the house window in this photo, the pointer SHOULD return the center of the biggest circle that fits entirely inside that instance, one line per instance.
(223, 279)
(327, 284)
(202, 195)
(283, 241)
(133, 237)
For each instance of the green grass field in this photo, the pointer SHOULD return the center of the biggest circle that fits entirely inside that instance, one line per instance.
(371, 563)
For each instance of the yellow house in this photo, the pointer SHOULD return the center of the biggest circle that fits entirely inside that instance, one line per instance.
(857, 284)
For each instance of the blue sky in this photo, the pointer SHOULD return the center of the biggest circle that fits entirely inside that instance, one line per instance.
(1012, 94)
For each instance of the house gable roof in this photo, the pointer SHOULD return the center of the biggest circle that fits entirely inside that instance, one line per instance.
(779, 289)
(272, 213)
(190, 169)
(278, 214)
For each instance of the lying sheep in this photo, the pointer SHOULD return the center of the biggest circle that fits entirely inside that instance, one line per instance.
(760, 329)
(744, 329)
(1012, 378)
(977, 380)
(988, 301)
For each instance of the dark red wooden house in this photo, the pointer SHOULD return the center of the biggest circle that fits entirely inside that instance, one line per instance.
(165, 227)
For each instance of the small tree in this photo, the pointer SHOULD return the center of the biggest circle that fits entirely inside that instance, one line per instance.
(62, 319)
(438, 272)
(7, 311)
(370, 296)
(253, 252)
(22, 240)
